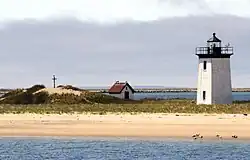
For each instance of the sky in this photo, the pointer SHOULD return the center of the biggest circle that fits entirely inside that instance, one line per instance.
(96, 42)
(112, 10)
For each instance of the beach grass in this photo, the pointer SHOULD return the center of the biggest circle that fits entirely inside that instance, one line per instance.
(69, 99)
(146, 106)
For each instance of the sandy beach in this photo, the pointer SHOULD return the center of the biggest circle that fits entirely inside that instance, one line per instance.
(142, 125)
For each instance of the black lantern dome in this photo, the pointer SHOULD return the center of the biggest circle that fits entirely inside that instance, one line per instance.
(214, 39)
(214, 49)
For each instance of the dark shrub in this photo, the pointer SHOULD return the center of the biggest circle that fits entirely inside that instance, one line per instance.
(40, 98)
(21, 98)
(35, 88)
(12, 93)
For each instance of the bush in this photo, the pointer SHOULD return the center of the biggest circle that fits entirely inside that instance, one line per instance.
(66, 99)
(102, 98)
(23, 96)
(20, 98)
(35, 88)
(12, 93)
(40, 98)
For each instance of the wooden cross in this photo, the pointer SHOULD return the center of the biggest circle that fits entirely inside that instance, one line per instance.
(54, 80)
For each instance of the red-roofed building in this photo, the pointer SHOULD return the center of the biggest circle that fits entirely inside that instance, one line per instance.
(122, 90)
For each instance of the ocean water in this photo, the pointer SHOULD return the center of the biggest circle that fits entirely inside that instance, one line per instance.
(120, 149)
(239, 96)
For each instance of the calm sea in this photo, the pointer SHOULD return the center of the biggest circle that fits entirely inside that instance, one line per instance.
(240, 96)
(120, 148)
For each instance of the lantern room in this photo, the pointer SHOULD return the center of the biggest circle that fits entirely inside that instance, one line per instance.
(214, 41)
(214, 49)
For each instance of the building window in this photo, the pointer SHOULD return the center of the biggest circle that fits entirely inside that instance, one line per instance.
(204, 95)
(205, 65)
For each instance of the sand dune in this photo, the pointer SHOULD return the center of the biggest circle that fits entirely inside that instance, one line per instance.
(59, 91)
(143, 125)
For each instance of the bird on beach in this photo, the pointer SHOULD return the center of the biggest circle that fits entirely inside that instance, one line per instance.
(197, 135)
(234, 136)
(218, 136)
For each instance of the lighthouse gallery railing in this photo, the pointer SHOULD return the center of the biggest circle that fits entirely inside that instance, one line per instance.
(208, 50)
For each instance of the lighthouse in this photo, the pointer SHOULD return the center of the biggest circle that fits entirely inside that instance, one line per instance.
(214, 75)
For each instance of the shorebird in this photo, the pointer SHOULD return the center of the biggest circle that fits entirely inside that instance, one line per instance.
(197, 135)
(220, 137)
(234, 136)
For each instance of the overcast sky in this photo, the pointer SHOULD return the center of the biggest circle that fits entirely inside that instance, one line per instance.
(108, 10)
(96, 42)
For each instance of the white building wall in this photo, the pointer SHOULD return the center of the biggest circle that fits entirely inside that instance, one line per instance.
(215, 80)
(204, 82)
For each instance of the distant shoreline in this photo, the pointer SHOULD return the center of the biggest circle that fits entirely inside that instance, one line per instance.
(166, 90)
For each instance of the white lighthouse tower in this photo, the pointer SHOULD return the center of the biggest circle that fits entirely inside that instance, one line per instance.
(214, 77)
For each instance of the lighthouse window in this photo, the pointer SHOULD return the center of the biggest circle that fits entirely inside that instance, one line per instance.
(205, 65)
(204, 95)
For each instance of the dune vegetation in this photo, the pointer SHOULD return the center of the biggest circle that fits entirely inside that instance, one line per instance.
(69, 99)
(39, 94)
(166, 106)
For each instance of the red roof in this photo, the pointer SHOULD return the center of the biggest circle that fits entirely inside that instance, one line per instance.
(119, 86)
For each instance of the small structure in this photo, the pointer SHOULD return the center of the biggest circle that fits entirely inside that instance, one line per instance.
(214, 75)
(54, 81)
(122, 90)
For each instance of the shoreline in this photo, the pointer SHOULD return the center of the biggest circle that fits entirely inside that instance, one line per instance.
(142, 126)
